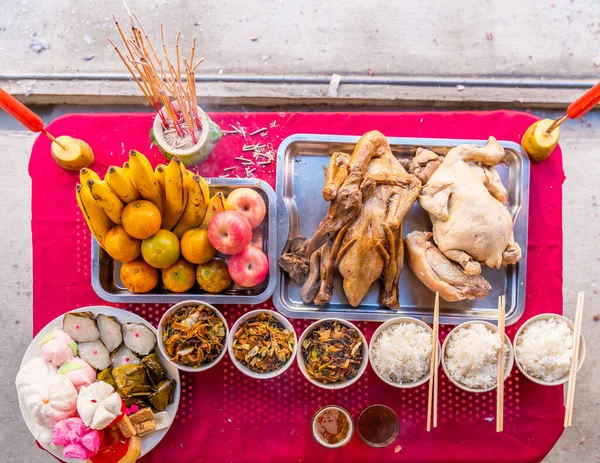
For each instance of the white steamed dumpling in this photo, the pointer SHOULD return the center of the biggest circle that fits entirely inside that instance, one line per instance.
(98, 405)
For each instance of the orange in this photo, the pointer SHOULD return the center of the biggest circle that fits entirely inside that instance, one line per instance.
(195, 246)
(161, 250)
(179, 277)
(141, 219)
(213, 276)
(138, 276)
(120, 246)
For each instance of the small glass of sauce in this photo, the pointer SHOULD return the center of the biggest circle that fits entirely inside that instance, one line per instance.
(378, 425)
(332, 426)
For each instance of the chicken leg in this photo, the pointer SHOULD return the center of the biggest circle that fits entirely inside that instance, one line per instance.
(424, 164)
(399, 205)
(330, 258)
(348, 200)
(335, 175)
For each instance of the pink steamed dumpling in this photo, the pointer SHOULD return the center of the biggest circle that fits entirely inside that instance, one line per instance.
(78, 440)
(79, 372)
(57, 350)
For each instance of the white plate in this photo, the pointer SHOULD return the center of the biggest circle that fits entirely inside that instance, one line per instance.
(33, 351)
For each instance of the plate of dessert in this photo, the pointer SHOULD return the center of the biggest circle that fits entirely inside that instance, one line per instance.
(94, 386)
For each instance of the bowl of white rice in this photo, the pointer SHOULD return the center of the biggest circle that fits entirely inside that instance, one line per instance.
(544, 349)
(400, 352)
(470, 356)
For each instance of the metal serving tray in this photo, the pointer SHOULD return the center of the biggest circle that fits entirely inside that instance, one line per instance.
(105, 271)
(300, 208)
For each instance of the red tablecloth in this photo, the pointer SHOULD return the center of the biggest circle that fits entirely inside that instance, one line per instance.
(226, 416)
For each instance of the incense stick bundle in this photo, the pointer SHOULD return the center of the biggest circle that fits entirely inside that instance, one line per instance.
(161, 82)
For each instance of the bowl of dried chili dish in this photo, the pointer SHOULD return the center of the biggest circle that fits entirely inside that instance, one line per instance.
(192, 335)
(332, 353)
(262, 344)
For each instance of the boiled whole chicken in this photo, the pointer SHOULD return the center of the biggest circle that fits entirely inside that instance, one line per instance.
(466, 202)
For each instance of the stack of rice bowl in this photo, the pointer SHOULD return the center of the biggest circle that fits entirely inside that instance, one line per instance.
(400, 352)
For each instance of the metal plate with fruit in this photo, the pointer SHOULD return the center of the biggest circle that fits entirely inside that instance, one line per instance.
(166, 234)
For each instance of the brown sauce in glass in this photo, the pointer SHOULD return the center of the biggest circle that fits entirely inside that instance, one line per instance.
(332, 425)
(378, 425)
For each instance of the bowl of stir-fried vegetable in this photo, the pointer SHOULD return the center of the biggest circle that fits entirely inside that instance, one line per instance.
(192, 336)
(262, 344)
(332, 353)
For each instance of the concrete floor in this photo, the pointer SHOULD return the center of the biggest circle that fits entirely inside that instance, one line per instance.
(430, 37)
(581, 219)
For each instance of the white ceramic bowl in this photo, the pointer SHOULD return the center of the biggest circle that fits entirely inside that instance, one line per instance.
(546, 316)
(364, 351)
(161, 345)
(494, 328)
(244, 369)
(377, 333)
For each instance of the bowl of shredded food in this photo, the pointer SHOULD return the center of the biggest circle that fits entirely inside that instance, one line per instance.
(192, 335)
(332, 353)
(262, 344)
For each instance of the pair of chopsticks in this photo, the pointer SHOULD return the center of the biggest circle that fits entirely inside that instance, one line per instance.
(574, 360)
(500, 366)
(433, 369)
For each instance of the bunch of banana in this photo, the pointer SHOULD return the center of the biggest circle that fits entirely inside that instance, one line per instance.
(181, 196)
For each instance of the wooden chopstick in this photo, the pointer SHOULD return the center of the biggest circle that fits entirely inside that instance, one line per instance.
(432, 394)
(574, 360)
(500, 367)
(436, 330)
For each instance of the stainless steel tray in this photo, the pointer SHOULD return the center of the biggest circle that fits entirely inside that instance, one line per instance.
(300, 208)
(105, 272)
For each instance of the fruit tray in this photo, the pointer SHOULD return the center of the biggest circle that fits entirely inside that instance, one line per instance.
(300, 208)
(105, 271)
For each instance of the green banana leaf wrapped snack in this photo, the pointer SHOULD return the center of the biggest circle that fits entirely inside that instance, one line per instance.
(154, 369)
(132, 380)
(163, 395)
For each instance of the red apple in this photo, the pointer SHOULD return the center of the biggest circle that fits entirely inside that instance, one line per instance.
(248, 268)
(229, 232)
(249, 203)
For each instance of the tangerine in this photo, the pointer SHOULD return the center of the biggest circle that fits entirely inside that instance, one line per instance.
(179, 277)
(141, 219)
(213, 276)
(138, 276)
(121, 246)
(196, 247)
(161, 250)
